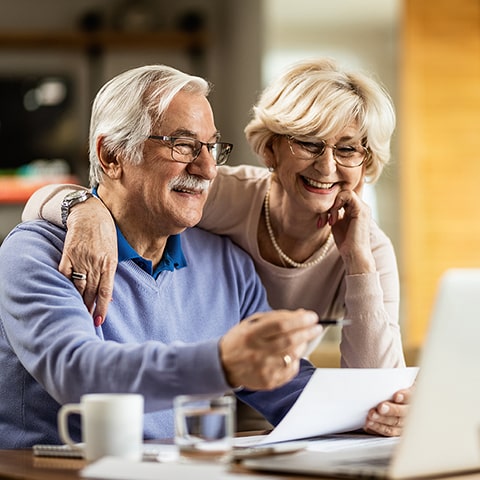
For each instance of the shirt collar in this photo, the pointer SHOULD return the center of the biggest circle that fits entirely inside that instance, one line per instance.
(173, 257)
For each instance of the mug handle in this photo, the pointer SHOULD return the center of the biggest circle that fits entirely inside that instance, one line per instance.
(63, 414)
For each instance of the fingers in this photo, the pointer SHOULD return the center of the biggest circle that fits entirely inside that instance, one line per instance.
(90, 291)
(323, 219)
(66, 268)
(97, 288)
(347, 202)
(91, 248)
(104, 292)
(404, 396)
(85, 286)
(388, 418)
(264, 351)
(279, 330)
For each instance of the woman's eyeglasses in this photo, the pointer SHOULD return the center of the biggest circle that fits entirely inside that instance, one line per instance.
(344, 154)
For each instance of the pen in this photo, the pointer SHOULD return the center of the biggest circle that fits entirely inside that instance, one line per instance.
(334, 321)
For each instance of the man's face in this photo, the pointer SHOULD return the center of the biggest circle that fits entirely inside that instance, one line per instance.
(168, 196)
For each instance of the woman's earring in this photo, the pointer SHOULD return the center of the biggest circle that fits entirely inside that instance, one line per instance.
(271, 169)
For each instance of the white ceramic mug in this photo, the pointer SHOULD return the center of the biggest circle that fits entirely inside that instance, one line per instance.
(112, 425)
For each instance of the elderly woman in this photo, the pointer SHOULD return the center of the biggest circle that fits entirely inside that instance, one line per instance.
(322, 133)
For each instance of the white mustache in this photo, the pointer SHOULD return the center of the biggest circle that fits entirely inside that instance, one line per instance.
(189, 182)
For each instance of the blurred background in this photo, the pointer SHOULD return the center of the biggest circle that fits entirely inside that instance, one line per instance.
(55, 54)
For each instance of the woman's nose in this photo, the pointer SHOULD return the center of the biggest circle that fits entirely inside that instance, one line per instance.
(325, 163)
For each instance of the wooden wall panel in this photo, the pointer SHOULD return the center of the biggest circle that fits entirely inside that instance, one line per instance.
(440, 149)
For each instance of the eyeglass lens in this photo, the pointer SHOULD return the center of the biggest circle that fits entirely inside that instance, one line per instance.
(344, 154)
(187, 150)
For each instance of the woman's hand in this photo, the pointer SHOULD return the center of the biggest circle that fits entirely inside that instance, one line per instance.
(388, 418)
(350, 219)
(91, 249)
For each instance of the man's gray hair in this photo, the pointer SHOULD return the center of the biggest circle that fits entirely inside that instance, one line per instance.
(126, 108)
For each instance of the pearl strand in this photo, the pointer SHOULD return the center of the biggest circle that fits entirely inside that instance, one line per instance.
(281, 253)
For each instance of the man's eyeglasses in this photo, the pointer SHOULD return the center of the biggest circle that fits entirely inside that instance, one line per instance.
(344, 154)
(187, 149)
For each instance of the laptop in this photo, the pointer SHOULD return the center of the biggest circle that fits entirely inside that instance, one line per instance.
(442, 431)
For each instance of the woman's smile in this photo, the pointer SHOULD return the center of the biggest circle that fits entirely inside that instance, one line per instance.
(318, 187)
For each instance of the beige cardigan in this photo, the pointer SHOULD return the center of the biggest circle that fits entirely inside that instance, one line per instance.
(371, 301)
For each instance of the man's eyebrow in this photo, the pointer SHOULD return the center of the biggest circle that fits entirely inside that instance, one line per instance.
(188, 133)
(182, 133)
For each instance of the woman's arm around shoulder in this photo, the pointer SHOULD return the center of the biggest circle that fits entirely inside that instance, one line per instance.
(46, 202)
(90, 244)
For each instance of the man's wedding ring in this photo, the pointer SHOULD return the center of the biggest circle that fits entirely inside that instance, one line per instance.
(79, 276)
(287, 360)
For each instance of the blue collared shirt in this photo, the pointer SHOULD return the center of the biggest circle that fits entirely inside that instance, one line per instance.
(173, 257)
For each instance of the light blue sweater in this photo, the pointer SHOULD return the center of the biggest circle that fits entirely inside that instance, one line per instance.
(160, 337)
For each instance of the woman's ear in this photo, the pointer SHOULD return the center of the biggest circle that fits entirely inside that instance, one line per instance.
(108, 161)
(269, 154)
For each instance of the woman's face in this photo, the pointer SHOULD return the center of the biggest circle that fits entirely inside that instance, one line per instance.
(313, 184)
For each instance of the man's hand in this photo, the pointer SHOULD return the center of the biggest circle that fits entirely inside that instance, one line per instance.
(263, 351)
(91, 248)
(388, 418)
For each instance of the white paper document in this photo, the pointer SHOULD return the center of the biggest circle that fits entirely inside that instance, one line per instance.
(109, 468)
(337, 400)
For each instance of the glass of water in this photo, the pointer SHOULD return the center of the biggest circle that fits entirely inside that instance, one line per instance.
(204, 427)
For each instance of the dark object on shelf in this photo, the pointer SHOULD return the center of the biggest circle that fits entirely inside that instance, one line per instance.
(191, 21)
(91, 21)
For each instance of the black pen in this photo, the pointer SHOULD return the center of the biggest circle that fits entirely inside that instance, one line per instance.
(334, 321)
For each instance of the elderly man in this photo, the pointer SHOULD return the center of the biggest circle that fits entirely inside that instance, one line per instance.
(174, 324)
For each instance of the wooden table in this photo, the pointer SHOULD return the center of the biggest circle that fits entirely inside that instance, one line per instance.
(23, 465)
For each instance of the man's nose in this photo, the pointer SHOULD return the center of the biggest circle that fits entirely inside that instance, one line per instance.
(204, 165)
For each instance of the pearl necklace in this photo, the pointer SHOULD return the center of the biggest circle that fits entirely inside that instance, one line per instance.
(281, 253)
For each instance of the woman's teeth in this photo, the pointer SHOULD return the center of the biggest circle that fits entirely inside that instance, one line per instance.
(321, 185)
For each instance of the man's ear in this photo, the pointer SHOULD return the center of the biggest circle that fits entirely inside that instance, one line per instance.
(108, 161)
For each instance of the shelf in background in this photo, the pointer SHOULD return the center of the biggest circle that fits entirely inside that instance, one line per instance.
(16, 189)
(103, 38)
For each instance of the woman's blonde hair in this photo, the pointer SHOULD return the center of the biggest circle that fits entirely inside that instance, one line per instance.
(316, 99)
